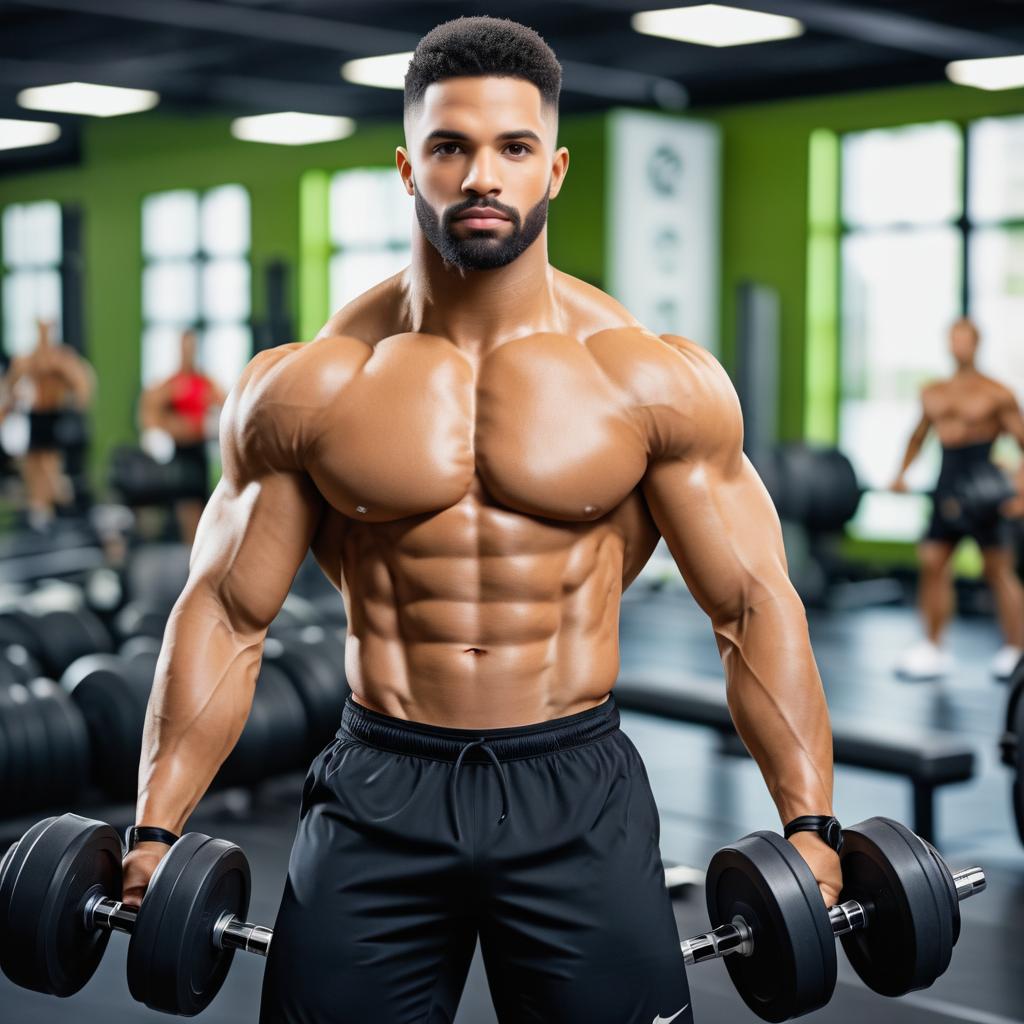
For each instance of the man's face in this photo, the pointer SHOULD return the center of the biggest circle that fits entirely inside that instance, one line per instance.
(482, 144)
(963, 341)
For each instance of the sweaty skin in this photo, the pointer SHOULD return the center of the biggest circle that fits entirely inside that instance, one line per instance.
(968, 408)
(481, 462)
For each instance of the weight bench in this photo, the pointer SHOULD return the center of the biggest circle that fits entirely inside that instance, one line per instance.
(926, 758)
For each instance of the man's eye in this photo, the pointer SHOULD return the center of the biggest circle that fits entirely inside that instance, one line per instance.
(447, 148)
(520, 149)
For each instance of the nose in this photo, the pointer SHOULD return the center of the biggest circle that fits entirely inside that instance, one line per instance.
(482, 179)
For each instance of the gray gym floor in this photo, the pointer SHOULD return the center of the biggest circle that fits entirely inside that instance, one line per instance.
(706, 800)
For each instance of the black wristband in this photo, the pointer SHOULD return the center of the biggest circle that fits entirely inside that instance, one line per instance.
(135, 834)
(827, 829)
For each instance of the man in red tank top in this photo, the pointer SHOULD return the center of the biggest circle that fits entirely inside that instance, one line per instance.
(177, 416)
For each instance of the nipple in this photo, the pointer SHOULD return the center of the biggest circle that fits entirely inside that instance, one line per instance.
(589, 510)
(361, 509)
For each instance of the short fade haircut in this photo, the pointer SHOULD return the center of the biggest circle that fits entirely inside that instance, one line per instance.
(481, 46)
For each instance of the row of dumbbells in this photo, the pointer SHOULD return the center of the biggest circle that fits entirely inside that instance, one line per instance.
(74, 691)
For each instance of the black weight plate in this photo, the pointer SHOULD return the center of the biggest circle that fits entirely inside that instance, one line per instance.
(950, 888)
(146, 647)
(23, 666)
(17, 627)
(19, 765)
(67, 772)
(792, 970)
(909, 938)
(56, 865)
(173, 965)
(1017, 730)
(140, 619)
(319, 683)
(112, 700)
(68, 635)
(37, 763)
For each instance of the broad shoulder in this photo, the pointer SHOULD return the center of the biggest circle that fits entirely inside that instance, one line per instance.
(273, 413)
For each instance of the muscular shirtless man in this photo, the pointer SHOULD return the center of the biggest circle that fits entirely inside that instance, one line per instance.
(175, 420)
(45, 385)
(482, 452)
(968, 412)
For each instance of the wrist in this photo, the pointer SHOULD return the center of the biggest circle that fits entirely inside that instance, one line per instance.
(825, 827)
(148, 835)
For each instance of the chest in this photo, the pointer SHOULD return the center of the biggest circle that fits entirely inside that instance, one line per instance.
(969, 406)
(536, 423)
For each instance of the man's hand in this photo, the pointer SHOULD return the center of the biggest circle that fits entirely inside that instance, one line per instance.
(139, 866)
(823, 861)
(1013, 508)
(899, 485)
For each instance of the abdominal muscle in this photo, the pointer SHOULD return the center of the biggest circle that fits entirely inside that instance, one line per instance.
(479, 617)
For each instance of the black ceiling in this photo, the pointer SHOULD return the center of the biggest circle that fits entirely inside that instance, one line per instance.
(248, 56)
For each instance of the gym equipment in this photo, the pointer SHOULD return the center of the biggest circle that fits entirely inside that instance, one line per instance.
(140, 480)
(44, 746)
(60, 888)
(1011, 745)
(980, 492)
(899, 917)
(54, 636)
(816, 487)
(112, 695)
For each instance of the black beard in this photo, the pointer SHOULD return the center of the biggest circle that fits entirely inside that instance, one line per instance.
(480, 250)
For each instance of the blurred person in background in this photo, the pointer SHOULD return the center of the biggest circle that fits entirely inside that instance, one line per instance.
(177, 416)
(968, 412)
(43, 398)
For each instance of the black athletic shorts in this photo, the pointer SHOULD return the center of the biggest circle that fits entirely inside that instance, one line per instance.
(948, 524)
(193, 471)
(414, 840)
(42, 431)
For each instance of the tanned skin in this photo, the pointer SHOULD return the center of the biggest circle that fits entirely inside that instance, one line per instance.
(156, 411)
(55, 377)
(482, 462)
(969, 408)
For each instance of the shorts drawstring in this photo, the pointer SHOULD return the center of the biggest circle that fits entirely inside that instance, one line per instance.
(482, 744)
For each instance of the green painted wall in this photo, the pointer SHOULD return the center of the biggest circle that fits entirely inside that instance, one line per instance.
(126, 158)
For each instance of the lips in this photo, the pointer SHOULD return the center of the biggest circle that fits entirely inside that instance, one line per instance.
(481, 213)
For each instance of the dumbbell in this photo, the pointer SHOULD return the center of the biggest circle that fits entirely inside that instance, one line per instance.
(60, 889)
(898, 917)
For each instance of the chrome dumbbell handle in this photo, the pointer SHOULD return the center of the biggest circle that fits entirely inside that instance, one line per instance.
(737, 938)
(228, 933)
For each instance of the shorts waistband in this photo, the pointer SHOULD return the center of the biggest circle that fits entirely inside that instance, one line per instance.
(444, 744)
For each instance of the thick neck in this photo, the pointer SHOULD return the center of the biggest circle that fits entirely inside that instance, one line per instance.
(479, 309)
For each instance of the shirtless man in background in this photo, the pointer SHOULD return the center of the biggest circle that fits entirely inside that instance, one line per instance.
(177, 416)
(968, 413)
(44, 385)
(482, 452)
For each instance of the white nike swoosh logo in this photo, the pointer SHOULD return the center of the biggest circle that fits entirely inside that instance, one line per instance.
(668, 1020)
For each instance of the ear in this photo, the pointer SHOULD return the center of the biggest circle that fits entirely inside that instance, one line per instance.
(559, 168)
(405, 168)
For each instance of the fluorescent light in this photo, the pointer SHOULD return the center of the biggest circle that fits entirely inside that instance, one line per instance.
(384, 72)
(716, 25)
(85, 98)
(990, 73)
(292, 129)
(16, 134)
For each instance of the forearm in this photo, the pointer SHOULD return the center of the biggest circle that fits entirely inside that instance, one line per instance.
(777, 702)
(912, 452)
(205, 680)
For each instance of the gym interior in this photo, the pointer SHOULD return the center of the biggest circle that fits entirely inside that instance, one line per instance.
(828, 197)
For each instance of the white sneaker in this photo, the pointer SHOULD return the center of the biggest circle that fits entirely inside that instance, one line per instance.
(1005, 661)
(925, 661)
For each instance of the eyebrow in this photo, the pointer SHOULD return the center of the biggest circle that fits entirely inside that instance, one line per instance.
(444, 133)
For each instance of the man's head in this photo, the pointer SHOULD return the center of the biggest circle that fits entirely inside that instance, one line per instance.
(963, 340)
(481, 128)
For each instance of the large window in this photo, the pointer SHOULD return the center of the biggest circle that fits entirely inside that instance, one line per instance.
(922, 242)
(370, 230)
(196, 274)
(32, 256)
